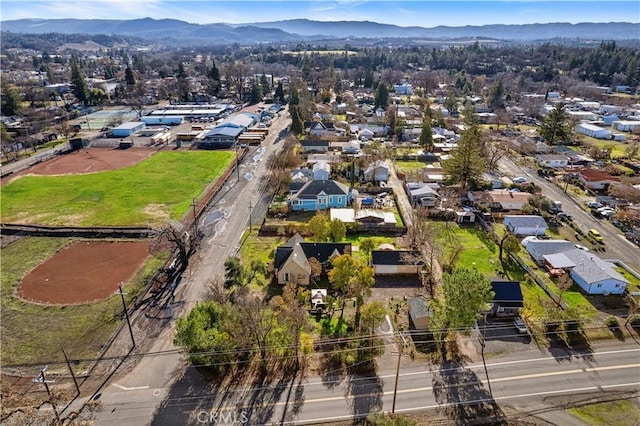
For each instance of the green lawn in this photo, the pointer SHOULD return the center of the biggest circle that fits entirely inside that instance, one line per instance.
(157, 189)
(479, 250)
(622, 413)
(35, 333)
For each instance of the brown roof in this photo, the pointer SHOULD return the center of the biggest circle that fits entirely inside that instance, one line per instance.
(591, 175)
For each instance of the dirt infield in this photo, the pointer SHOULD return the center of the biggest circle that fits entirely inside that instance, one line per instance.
(88, 160)
(84, 271)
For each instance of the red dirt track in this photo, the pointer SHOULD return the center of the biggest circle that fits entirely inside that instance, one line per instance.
(83, 271)
(88, 160)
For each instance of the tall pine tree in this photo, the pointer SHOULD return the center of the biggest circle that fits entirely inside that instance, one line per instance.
(466, 164)
(78, 83)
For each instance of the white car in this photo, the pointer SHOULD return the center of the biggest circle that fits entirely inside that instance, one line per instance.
(520, 326)
(519, 179)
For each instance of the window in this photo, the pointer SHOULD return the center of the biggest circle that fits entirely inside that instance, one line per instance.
(599, 286)
(286, 277)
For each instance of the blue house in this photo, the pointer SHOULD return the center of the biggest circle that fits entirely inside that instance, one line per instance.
(321, 195)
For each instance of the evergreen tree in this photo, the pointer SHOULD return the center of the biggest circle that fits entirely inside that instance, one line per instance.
(129, 77)
(214, 79)
(183, 83)
(294, 98)
(11, 103)
(279, 96)
(496, 95)
(465, 293)
(382, 95)
(426, 135)
(466, 164)
(554, 128)
(297, 127)
(78, 83)
(256, 94)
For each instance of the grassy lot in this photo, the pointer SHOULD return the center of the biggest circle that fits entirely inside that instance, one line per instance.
(157, 189)
(259, 248)
(480, 251)
(34, 333)
(409, 166)
(621, 413)
(618, 147)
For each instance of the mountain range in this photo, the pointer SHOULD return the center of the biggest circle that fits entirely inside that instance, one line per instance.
(307, 30)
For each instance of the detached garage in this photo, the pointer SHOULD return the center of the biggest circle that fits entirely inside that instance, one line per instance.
(396, 262)
(525, 224)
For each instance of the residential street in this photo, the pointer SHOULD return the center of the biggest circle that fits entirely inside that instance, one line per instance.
(527, 380)
(617, 246)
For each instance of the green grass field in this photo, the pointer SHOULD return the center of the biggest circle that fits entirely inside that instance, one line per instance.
(33, 333)
(157, 189)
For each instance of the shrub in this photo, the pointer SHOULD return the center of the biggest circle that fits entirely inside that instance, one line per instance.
(611, 322)
(634, 320)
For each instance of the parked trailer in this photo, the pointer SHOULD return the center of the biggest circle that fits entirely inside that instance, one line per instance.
(249, 139)
(188, 136)
(164, 137)
(169, 120)
(258, 130)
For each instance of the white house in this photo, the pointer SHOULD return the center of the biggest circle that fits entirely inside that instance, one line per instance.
(592, 274)
(555, 161)
(525, 224)
(593, 131)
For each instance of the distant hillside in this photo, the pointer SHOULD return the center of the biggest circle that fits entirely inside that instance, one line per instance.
(342, 29)
(303, 29)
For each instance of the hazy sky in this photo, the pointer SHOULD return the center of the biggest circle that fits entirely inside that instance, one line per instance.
(424, 13)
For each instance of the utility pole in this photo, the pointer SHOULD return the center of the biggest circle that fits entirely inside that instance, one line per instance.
(41, 378)
(195, 217)
(73, 376)
(395, 387)
(482, 344)
(238, 161)
(126, 313)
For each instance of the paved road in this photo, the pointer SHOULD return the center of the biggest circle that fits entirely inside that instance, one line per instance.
(526, 379)
(151, 378)
(617, 246)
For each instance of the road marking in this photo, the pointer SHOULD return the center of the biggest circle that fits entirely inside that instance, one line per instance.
(503, 379)
(428, 407)
(130, 389)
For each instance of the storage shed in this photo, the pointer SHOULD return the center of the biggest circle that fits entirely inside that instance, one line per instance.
(420, 313)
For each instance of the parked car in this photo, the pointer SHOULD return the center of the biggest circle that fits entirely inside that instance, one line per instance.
(520, 326)
(581, 247)
(594, 205)
(595, 235)
(519, 179)
(565, 216)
